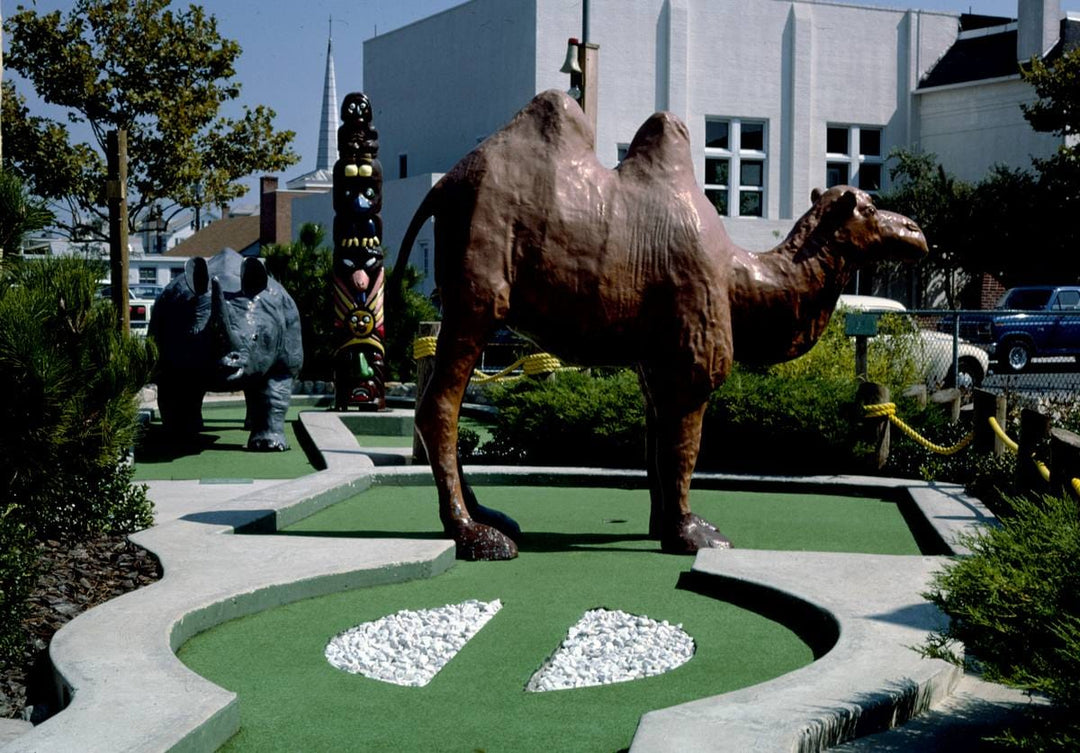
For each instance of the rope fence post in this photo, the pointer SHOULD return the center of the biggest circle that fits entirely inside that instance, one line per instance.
(988, 405)
(949, 400)
(1064, 461)
(1034, 435)
(874, 430)
(424, 367)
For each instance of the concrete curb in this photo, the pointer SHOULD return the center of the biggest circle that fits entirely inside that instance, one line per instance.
(128, 691)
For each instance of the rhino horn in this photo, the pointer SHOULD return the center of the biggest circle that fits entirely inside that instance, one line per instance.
(218, 309)
(197, 275)
(253, 278)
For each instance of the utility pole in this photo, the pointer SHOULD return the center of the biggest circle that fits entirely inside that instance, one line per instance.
(116, 191)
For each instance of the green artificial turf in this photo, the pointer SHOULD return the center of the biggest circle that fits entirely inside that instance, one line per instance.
(219, 452)
(582, 548)
(389, 440)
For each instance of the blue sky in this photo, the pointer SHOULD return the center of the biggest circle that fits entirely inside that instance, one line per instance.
(284, 48)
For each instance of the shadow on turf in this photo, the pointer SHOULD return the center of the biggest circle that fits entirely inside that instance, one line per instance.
(535, 542)
(158, 445)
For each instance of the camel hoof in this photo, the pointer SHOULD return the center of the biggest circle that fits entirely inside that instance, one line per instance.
(479, 542)
(694, 533)
(497, 520)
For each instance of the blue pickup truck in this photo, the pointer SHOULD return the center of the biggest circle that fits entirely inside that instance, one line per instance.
(1028, 322)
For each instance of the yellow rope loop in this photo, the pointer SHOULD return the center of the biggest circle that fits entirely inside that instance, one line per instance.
(877, 410)
(939, 449)
(541, 363)
(881, 410)
(1044, 470)
(1005, 438)
(481, 378)
(424, 347)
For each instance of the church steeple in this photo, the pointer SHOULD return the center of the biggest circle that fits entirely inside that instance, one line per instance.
(328, 123)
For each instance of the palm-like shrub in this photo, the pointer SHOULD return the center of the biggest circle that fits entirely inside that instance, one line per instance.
(68, 387)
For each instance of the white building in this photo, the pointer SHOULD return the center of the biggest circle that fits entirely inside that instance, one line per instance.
(780, 96)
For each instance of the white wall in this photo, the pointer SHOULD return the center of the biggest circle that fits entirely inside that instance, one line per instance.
(972, 127)
(440, 84)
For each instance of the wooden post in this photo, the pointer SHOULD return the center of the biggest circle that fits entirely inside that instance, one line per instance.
(917, 392)
(424, 368)
(1034, 434)
(861, 359)
(1064, 461)
(948, 400)
(589, 60)
(988, 404)
(116, 193)
(874, 430)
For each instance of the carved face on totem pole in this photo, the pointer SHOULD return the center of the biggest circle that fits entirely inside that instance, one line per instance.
(358, 257)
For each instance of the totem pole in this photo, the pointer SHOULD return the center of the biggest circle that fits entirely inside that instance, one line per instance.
(360, 358)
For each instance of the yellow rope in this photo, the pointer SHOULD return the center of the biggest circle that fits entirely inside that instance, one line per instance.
(1044, 470)
(1005, 438)
(880, 410)
(534, 365)
(424, 347)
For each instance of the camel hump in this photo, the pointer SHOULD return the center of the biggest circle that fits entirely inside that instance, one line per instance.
(661, 143)
(553, 119)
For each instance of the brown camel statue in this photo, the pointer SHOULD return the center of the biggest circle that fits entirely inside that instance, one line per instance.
(630, 266)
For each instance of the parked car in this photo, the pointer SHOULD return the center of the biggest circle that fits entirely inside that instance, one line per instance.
(935, 349)
(141, 298)
(1028, 322)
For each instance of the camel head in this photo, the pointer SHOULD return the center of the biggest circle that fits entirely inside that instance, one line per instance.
(861, 232)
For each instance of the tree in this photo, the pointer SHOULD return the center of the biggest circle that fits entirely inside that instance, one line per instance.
(19, 214)
(161, 75)
(941, 205)
(303, 268)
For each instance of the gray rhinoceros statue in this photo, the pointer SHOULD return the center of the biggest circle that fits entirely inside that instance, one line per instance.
(224, 326)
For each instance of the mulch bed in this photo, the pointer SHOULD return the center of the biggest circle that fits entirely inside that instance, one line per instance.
(74, 576)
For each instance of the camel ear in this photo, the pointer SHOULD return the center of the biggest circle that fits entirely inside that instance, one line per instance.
(815, 195)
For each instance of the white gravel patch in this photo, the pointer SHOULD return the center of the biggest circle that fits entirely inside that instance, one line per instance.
(609, 646)
(411, 646)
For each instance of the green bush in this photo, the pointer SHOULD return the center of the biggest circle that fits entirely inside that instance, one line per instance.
(770, 423)
(68, 387)
(1014, 604)
(402, 324)
(573, 418)
(304, 269)
(18, 562)
(892, 356)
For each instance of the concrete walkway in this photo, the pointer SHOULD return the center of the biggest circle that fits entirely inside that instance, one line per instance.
(116, 664)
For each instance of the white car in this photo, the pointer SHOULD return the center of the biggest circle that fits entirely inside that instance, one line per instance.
(141, 299)
(936, 347)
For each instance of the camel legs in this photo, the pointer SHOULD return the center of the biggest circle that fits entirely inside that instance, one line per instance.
(471, 526)
(673, 435)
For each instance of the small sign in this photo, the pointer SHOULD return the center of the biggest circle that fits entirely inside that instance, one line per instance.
(860, 324)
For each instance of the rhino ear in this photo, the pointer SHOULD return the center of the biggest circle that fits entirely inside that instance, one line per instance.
(253, 277)
(197, 275)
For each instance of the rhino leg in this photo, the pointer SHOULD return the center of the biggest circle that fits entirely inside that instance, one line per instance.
(266, 407)
(437, 424)
(673, 435)
(180, 405)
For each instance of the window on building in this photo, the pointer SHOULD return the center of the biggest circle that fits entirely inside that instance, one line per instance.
(735, 163)
(854, 156)
(148, 275)
(403, 165)
(621, 150)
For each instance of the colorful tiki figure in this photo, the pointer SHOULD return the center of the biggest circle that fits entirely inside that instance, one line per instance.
(358, 256)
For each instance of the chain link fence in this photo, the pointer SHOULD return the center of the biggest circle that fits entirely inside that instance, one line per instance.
(1003, 350)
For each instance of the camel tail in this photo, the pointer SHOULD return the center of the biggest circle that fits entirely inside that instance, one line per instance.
(395, 295)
